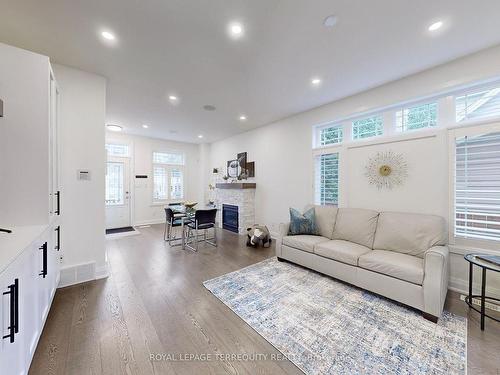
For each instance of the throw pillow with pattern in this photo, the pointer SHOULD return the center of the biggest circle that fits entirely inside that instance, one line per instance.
(302, 223)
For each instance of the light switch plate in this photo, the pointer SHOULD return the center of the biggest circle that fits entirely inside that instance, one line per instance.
(83, 175)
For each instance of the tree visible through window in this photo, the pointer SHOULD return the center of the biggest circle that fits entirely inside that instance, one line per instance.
(368, 127)
(417, 117)
(331, 135)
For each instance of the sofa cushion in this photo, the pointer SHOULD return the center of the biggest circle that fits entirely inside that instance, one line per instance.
(356, 225)
(411, 234)
(303, 242)
(342, 251)
(325, 219)
(401, 266)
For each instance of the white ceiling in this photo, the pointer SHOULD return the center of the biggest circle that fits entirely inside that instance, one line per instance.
(181, 47)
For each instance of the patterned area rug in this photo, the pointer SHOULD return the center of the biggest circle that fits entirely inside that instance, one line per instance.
(326, 327)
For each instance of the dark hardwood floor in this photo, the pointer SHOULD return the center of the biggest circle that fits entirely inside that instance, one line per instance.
(154, 303)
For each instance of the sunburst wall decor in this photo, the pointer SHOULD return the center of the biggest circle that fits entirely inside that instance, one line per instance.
(386, 170)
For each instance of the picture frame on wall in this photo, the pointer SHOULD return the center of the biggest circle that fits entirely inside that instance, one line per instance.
(242, 162)
(251, 169)
(233, 168)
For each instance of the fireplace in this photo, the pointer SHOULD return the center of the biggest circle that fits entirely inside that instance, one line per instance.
(230, 217)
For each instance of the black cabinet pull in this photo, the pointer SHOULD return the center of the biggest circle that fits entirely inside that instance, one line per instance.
(58, 201)
(58, 230)
(14, 310)
(43, 273)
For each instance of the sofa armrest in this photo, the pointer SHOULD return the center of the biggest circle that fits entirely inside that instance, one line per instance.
(436, 273)
(282, 232)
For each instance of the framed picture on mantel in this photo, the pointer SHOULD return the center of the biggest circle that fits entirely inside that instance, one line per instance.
(251, 169)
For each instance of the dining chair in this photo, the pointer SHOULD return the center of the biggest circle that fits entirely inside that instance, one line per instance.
(203, 220)
(171, 221)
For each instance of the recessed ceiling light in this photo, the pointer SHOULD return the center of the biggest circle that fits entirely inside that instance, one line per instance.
(243, 117)
(114, 128)
(108, 35)
(235, 30)
(330, 21)
(145, 126)
(209, 107)
(436, 26)
(316, 81)
(200, 136)
(172, 98)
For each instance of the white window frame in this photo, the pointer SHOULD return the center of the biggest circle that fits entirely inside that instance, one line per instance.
(419, 103)
(319, 128)
(365, 117)
(117, 143)
(453, 134)
(335, 148)
(472, 90)
(168, 169)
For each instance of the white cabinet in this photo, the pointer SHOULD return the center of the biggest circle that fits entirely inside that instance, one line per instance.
(29, 284)
(29, 202)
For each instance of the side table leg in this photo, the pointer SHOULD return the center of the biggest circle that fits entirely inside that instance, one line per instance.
(183, 235)
(483, 292)
(471, 270)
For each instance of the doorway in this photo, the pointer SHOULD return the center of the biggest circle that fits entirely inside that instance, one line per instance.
(117, 193)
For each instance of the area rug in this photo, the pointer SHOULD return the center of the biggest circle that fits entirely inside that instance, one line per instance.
(327, 327)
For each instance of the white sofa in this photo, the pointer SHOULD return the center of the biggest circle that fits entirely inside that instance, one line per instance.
(401, 256)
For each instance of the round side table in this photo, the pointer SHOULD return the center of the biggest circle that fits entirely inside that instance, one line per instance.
(484, 265)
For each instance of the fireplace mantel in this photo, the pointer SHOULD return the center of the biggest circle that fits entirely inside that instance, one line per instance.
(236, 185)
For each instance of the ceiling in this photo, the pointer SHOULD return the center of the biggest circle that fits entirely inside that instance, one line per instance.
(182, 48)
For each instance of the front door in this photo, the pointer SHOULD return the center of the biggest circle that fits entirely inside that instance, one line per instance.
(117, 193)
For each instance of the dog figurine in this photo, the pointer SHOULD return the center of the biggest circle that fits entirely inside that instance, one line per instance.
(258, 235)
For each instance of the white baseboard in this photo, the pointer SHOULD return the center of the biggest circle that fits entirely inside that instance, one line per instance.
(462, 286)
(149, 222)
(81, 273)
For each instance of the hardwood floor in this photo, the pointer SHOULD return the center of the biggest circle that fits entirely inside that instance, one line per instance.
(154, 303)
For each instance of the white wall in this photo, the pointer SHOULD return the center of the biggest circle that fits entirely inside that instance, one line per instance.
(82, 113)
(144, 211)
(284, 159)
(24, 151)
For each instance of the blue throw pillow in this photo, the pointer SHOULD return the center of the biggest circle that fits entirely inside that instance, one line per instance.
(302, 223)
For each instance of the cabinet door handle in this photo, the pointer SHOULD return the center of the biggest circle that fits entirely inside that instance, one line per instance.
(14, 310)
(58, 203)
(43, 273)
(58, 230)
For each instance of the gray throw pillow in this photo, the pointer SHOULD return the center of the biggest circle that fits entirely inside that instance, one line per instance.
(302, 223)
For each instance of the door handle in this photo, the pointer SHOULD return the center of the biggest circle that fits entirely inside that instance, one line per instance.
(43, 273)
(14, 310)
(58, 203)
(58, 245)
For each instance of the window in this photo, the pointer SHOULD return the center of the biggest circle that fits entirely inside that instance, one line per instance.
(327, 179)
(160, 184)
(477, 187)
(168, 158)
(479, 104)
(417, 117)
(114, 184)
(117, 150)
(367, 127)
(176, 185)
(330, 134)
(168, 176)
